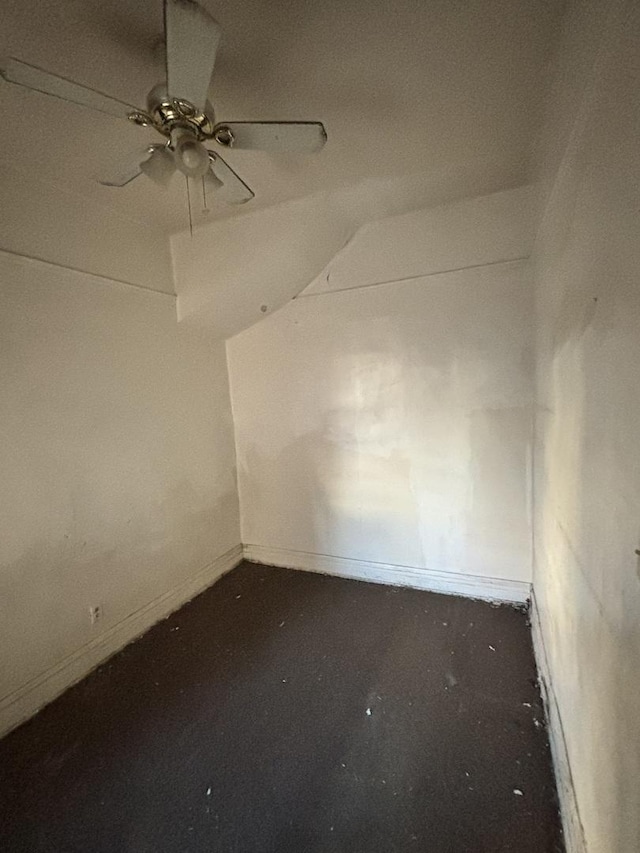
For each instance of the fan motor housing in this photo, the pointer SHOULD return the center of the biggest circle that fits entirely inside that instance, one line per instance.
(168, 114)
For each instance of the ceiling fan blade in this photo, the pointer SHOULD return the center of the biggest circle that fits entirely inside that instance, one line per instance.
(302, 137)
(125, 173)
(234, 190)
(192, 37)
(31, 77)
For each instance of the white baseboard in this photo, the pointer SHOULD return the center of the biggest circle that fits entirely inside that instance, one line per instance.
(452, 583)
(22, 703)
(574, 838)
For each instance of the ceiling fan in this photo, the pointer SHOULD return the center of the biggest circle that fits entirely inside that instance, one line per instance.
(180, 112)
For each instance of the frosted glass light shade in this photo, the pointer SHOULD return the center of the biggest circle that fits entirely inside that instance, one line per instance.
(191, 157)
(160, 166)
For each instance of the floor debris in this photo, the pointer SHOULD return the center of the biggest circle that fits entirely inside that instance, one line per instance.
(221, 714)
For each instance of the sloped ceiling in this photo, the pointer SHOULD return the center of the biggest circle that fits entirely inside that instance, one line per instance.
(410, 87)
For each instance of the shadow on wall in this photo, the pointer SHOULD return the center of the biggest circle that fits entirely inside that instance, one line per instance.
(392, 427)
(380, 479)
(351, 474)
(361, 466)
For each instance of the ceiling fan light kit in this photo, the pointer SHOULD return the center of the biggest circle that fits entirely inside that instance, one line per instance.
(179, 110)
(160, 166)
(190, 156)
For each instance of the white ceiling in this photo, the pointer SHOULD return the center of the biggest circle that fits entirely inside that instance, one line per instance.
(403, 87)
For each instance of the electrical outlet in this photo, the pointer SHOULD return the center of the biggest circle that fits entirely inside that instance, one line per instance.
(95, 613)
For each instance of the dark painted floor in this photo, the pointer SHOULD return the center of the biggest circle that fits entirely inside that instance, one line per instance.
(283, 711)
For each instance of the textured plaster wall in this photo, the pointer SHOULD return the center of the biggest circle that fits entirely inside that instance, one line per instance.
(587, 476)
(393, 423)
(117, 459)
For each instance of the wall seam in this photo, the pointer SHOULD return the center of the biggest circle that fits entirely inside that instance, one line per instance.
(79, 271)
(412, 277)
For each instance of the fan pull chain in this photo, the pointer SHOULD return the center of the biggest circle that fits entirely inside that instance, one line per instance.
(205, 208)
(189, 206)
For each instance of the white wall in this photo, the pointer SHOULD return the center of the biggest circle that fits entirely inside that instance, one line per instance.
(233, 271)
(74, 231)
(392, 424)
(587, 477)
(118, 471)
(471, 232)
